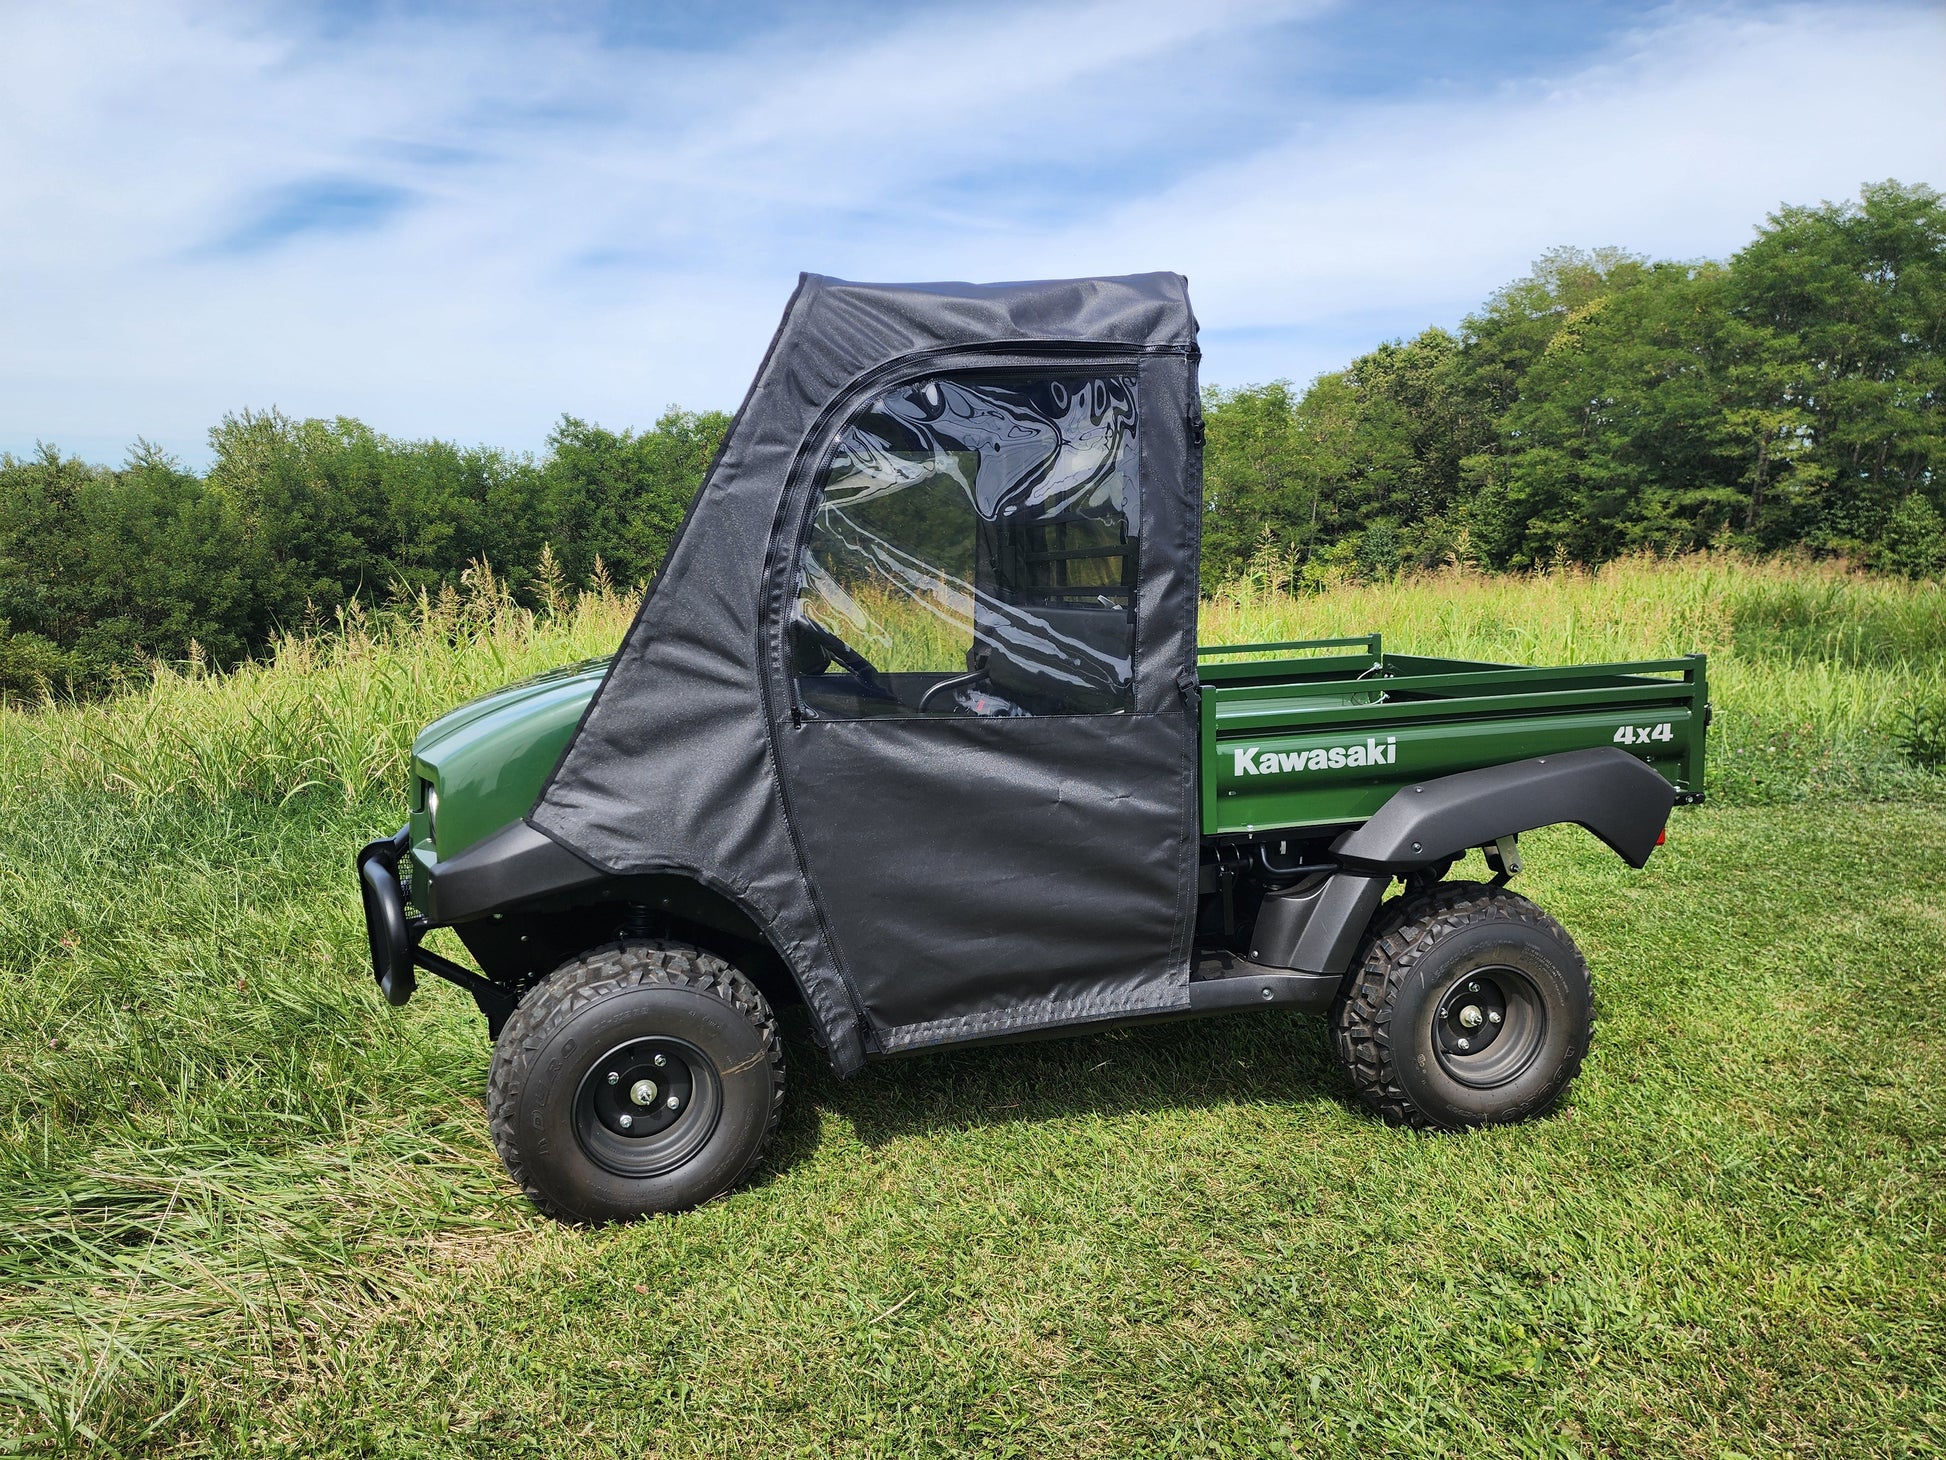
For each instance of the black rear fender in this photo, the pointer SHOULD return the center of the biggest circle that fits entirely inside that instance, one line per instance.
(1318, 926)
(1624, 802)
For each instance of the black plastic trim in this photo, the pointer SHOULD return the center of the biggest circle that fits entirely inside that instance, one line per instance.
(1624, 802)
(1225, 981)
(1316, 927)
(1332, 934)
(1281, 920)
(516, 864)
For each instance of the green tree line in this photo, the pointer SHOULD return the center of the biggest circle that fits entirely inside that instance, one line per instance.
(1793, 397)
(1790, 398)
(102, 570)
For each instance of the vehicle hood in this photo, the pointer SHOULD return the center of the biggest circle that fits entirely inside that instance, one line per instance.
(515, 699)
(490, 757)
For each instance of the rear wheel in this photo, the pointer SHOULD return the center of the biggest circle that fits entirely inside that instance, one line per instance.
(1470, 1007)
(638, 1078)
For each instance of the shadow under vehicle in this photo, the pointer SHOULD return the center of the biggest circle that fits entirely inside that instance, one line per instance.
(913, 728)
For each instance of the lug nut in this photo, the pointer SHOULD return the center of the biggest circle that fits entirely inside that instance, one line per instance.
(1493, 1017)
(674, 1102)
(614, 1077)
(1463, 1044)
(661, 1060)
(1473, 987)
(629, 1120)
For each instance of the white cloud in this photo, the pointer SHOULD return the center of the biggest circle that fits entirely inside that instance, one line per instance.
(606, 229)
(1678, 148)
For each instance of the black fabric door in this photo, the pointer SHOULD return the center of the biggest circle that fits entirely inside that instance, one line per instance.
(986, 750)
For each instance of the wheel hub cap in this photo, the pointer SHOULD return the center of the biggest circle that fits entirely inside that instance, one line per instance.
(647, 1106)
(1488, 1026)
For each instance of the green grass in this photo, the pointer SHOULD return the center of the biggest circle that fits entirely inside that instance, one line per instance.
(246, 1208)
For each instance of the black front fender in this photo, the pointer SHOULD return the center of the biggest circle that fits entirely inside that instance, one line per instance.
(1624, 802)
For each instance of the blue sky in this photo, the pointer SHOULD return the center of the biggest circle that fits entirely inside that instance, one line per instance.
(461, 220)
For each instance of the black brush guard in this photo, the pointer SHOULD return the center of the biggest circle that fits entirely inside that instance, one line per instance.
(394, 936)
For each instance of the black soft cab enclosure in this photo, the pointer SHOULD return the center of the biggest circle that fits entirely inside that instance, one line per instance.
(903, 612)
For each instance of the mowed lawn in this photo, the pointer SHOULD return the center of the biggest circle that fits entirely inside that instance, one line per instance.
(247, 1208)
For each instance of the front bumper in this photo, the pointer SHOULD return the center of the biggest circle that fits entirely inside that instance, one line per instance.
(394, 936)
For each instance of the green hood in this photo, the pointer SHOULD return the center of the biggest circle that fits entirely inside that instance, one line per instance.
(489, 758)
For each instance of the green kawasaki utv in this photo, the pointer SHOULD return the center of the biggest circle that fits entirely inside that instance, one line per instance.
(913, 728)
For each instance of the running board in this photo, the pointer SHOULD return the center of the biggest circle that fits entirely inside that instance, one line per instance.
(1224, 981)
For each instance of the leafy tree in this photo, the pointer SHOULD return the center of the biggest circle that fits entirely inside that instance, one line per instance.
(1914, 542)
(1858, 292)
(1606, 404)
(102, 569)
(116, 567)
(1617, 441)
(43, 587)
(622, 495)
(334, 511)
(1255, 485)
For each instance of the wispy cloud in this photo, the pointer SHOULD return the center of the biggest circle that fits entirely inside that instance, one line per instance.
(462, 221)
(327, 205)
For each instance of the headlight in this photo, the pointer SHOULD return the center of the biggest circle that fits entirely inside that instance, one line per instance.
(432, 816)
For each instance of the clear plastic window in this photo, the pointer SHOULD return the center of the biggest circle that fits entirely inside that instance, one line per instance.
(973, 552)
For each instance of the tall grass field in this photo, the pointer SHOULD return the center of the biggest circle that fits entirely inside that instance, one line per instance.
(246, 1208)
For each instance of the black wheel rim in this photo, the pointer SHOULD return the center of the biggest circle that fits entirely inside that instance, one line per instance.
(647, 1106)
(1488, 1025)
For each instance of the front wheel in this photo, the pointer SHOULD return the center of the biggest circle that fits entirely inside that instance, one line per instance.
(638, 1078)
(1470, 1007)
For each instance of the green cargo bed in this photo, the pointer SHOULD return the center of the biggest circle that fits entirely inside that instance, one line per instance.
(1318, 733)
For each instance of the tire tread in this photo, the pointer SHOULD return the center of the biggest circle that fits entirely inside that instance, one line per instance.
(1405, 930)
(596, 975)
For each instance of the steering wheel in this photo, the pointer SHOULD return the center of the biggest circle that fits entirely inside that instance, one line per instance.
(949, 684)
(841, 652)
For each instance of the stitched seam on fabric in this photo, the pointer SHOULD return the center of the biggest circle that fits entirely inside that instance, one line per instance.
(765, 916)
(1190, 529)
(1028, 1016)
